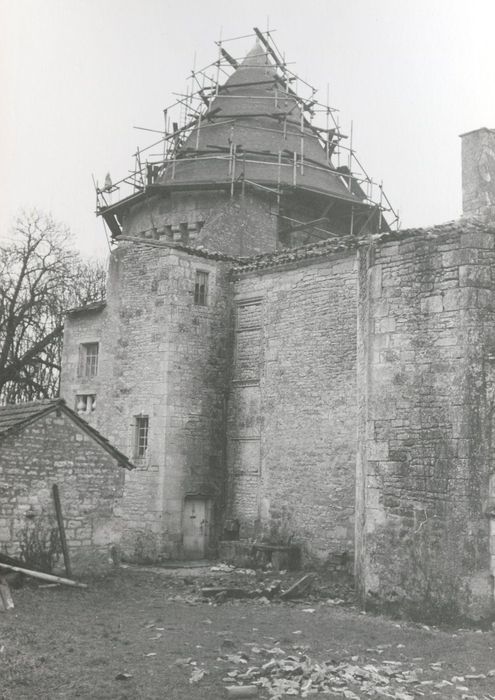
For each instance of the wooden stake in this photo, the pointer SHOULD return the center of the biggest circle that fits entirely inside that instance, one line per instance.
(6, 600)
(61, 529)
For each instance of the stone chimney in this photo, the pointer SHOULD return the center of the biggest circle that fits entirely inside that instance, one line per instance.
(478, 173)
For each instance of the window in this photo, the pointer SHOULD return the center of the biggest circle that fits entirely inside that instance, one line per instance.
(88, 360)
(85, 403)
(201, 288)
(141, 436)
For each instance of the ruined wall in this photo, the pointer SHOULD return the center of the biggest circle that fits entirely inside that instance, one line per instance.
(53, 450)
(242, 225)
(426, 382)
(292, 434)
(164, 357)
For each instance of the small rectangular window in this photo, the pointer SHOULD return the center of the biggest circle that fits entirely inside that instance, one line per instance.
(201, 288)
(141, 436)
(88, 360)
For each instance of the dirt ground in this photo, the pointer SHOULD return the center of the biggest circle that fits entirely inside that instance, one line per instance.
(144, 635)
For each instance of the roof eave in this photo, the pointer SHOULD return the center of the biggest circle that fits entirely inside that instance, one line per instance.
(60, 404)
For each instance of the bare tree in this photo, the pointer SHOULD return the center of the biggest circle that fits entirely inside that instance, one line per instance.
(41, 276)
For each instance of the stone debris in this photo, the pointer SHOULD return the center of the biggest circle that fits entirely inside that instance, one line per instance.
(222, 568)
(124, 676)
(224, 583)
(279, 675)
(197, 675)
(183, 662)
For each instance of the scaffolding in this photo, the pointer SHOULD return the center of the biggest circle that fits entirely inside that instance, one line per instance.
(292, 108)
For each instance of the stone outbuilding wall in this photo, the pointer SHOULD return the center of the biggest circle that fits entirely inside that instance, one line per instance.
(56, 448)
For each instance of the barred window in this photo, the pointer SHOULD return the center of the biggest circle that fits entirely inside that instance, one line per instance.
(141, 436)
(201, 288)
(88, 360)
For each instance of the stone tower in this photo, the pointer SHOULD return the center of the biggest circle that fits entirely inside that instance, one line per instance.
(246, 173)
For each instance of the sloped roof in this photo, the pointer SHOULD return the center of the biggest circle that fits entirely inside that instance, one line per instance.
(332, 246)
(255, 111)
(86, 308)
(15, 417)
(328, 246)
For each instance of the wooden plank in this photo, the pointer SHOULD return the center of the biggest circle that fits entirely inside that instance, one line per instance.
(300, 588)
(41, 575)
(61, 530)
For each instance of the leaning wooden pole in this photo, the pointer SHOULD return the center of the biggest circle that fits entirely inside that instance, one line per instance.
(61, 530)
(42, 575)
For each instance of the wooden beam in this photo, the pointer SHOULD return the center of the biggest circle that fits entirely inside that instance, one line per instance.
(41, 575)
(229, 58)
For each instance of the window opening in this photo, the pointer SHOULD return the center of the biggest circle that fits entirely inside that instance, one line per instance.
(141, 436)
(88, 360)
(85, 403)
(201, 288)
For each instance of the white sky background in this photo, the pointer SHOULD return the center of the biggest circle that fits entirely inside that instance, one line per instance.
(77, 75)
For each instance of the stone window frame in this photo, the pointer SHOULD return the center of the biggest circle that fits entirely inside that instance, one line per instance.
(201, 284)
(88, 359)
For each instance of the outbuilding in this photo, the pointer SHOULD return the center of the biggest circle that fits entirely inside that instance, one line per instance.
(45, 444)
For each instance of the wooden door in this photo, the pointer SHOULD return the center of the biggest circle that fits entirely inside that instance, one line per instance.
(195, 527)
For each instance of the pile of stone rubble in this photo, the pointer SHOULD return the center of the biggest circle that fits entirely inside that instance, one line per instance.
(278, 675)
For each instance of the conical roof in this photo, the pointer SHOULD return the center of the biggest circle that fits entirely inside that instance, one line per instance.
(254, 129)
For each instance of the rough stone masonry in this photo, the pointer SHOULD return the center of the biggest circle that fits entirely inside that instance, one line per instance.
(246, 375)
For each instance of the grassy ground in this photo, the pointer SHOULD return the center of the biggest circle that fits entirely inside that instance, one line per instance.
(70, 643)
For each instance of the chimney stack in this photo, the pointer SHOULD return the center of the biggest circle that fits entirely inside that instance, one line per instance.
(478, 173)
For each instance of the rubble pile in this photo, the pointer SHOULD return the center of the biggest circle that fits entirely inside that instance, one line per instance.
(280, 675)
(226, 582)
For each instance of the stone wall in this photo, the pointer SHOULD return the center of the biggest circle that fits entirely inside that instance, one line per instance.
(240, 225)
(426, 387)
(53, 450)
(292, 413)
(165, 357)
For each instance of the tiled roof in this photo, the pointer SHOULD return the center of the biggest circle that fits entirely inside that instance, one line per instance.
(17, 414)
(94, 306)
(346, 243)
(14, 417)
(293, 255)
(328, 246)
(466, 224)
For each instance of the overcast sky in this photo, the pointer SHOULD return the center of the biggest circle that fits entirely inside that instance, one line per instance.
(77, 75)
